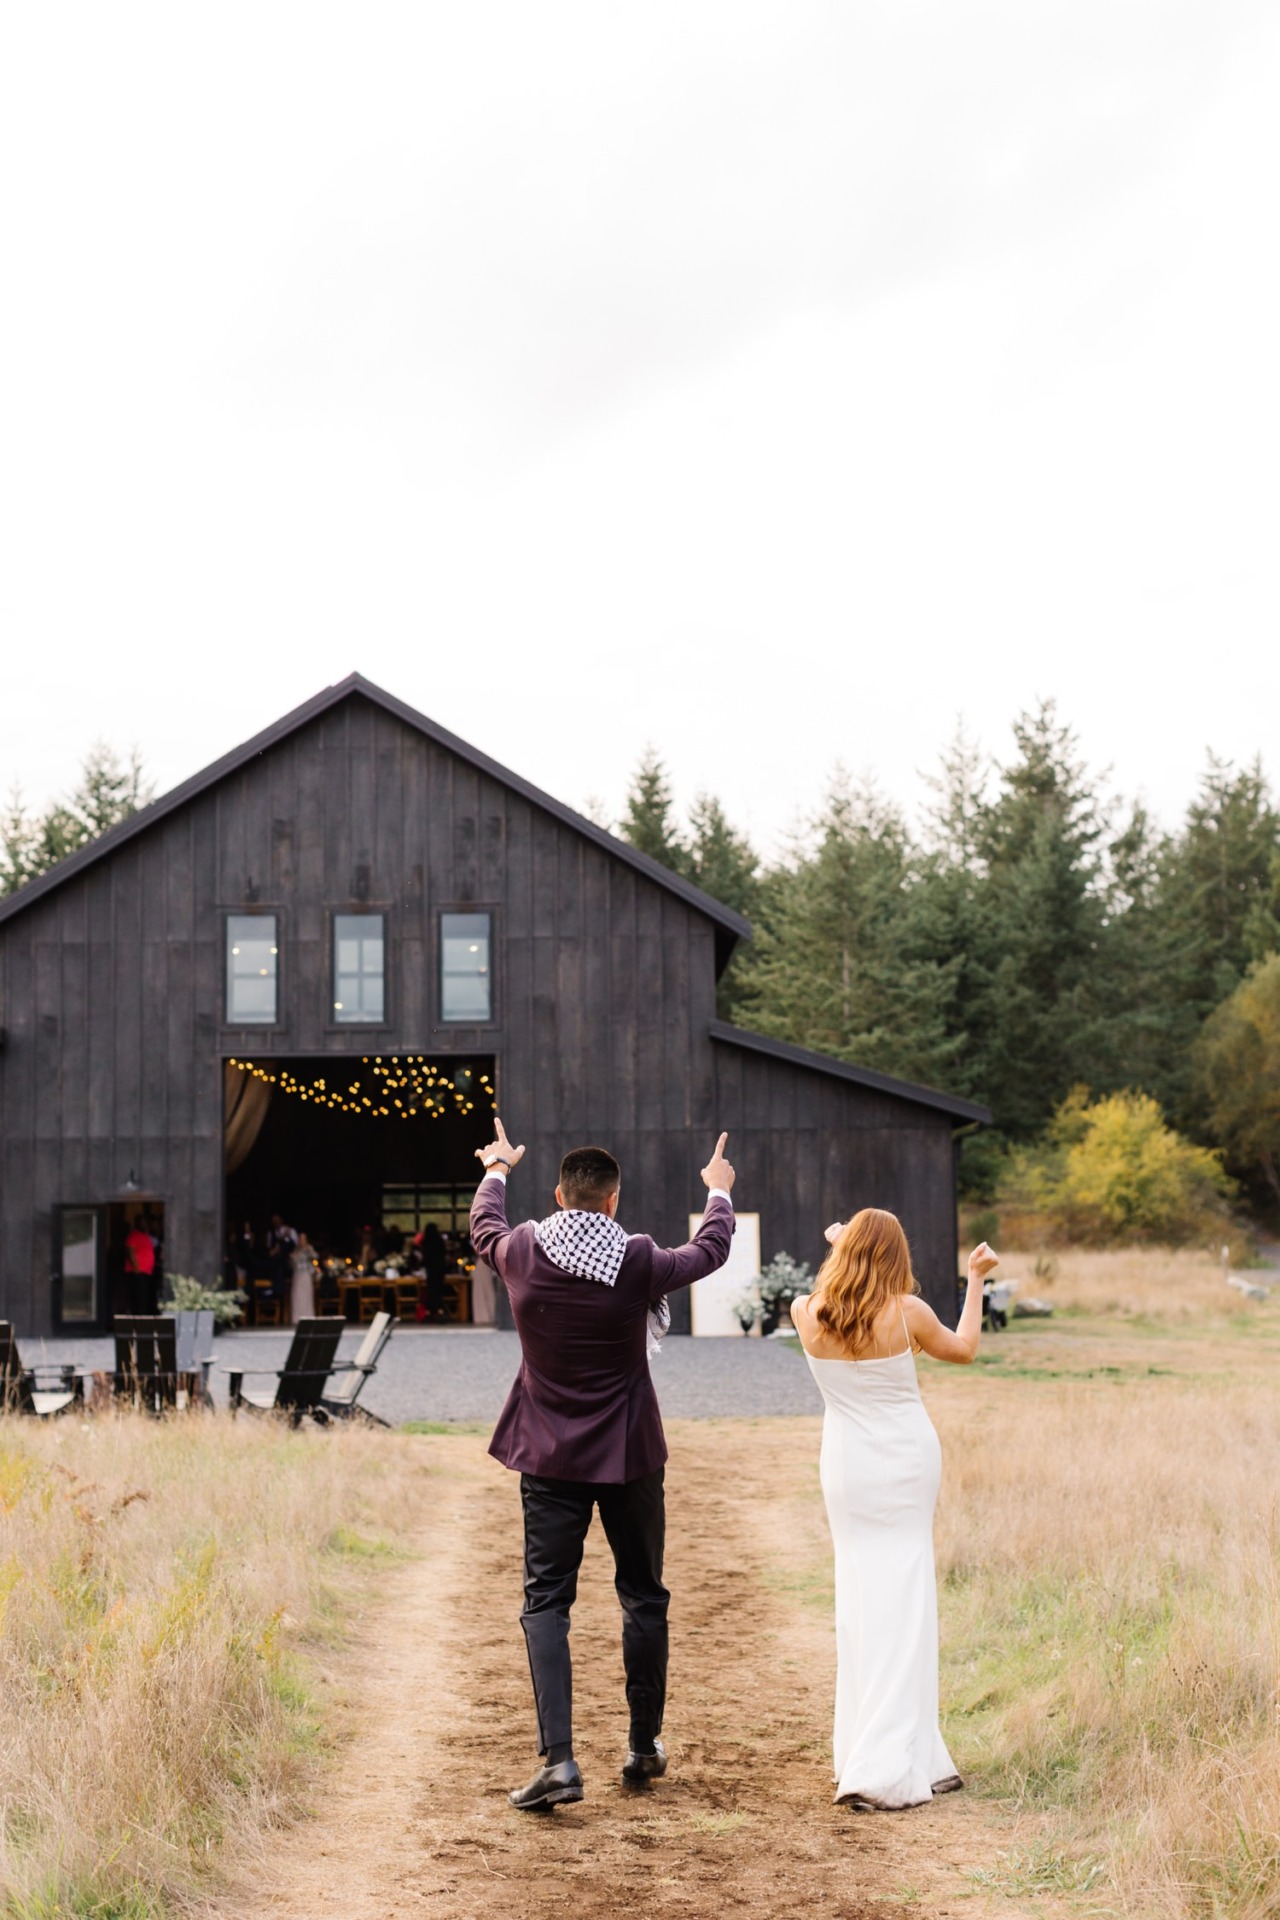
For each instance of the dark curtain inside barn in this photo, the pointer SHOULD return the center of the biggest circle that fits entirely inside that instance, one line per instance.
(245, 1103)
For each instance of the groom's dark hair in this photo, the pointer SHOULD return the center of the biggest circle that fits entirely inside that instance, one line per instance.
(588, 1175)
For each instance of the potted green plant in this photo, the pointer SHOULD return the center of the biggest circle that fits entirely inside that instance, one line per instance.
(189, 1295)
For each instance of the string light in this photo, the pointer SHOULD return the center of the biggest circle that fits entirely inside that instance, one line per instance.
(432, 1090)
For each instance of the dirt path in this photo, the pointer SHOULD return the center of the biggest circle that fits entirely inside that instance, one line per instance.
(414, 1819)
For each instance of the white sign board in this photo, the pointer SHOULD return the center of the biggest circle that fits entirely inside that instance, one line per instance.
(710, 1300)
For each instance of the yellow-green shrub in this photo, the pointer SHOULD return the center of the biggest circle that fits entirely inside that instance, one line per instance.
(1113, 1173)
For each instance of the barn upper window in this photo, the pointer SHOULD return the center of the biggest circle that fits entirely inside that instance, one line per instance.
(359, 968)
(466, 990)
(253, 954)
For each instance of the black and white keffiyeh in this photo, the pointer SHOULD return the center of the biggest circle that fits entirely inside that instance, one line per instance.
(591, 1247)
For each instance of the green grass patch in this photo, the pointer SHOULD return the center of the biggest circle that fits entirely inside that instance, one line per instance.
(1021, 1875)
(444, 1426)
(354, 1545)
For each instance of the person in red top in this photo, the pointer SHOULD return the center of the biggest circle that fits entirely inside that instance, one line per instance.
(139, 1251)
(140, 1267)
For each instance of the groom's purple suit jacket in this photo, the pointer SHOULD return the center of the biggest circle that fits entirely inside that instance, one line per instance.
(583, 1406)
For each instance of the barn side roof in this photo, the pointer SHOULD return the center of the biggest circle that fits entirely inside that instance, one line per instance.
(961, 1110)
(730, 926)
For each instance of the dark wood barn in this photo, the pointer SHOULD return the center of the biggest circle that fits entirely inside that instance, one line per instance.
(385, 924)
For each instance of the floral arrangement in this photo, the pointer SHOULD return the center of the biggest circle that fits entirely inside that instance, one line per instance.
(784, 1280)
(189, 1295)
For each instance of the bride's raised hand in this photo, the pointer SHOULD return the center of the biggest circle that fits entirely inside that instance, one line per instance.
(833, 1232)
(982, 1261)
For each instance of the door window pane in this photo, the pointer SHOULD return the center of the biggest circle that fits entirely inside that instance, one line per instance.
(359, 967)
(79, 1264)
(465, 989)
(252, 969)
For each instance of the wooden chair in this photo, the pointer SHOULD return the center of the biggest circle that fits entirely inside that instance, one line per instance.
(300, 1382)
(406, 1293)
(340, 1400)
(195, 1353)
(457, 1295)
(267, 1306)
(372, 1299)
(146, 1372)
(19, 1388)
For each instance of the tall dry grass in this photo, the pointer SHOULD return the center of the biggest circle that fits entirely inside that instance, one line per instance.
(1109, 1558)
(162, 1586)
(1150, 1282)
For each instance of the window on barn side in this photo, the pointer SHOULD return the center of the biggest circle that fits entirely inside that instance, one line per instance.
(466, 980)
(359, 968)
(253, 969)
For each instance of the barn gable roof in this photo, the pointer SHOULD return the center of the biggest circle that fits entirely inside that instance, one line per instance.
(730, 926)
(960, 1110)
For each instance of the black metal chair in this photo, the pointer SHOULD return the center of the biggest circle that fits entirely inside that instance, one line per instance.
(20, 1389)
(340, 1401)
(146, 1372)
(300, 1382)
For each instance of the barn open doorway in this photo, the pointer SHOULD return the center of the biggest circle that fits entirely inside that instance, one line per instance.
(373, 1159)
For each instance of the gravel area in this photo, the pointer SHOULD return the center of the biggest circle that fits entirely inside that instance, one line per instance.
(463, 1374)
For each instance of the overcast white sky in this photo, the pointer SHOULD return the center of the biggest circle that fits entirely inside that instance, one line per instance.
(774, 383)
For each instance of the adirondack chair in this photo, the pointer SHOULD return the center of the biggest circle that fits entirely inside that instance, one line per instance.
(340, 1400)
(300, 1382)
(19, 1388)
(146, 1373)
(195, 1352)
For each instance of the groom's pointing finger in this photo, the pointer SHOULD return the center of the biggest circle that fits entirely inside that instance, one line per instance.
(720, 1146)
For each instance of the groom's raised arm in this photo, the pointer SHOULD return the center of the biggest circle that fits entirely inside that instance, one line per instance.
(489, 1230)
(676, 1267)
(488, 1225)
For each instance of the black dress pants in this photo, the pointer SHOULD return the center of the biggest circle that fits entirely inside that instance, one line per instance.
(557, 1515)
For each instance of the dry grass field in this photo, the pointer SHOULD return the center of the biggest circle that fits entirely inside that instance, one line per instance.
(1149, 1283)
(179, 1660)
(165, 1590)
(1109, 1550)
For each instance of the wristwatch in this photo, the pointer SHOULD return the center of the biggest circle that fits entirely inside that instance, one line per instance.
(496, 1161)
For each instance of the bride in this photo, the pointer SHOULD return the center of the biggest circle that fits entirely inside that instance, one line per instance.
(860, 1328)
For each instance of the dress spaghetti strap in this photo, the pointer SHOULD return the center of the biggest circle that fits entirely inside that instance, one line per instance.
(905, 1328)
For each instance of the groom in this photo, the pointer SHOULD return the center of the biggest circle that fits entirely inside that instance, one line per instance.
(581, 1427)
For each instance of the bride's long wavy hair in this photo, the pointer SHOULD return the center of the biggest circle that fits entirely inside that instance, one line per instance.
(866, 1268)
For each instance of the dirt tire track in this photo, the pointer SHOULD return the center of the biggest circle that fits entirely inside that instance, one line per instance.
(413, 1819)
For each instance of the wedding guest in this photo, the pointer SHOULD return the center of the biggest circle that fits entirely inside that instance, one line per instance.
(484, 1295)
(140, 1267)
(302, 1301)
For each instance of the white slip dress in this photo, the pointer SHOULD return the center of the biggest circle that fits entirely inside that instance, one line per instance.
(880, 1468)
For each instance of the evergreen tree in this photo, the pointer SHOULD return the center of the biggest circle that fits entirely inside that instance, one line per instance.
(833, 967)
(649, 822)
(721, 860)
(1238, 1061)
(108, 791)
(1033, 1017)
(724, 864)
(1221, 886)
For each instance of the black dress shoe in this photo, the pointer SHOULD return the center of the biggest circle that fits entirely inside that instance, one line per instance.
(549, 1787)
(639, 1767)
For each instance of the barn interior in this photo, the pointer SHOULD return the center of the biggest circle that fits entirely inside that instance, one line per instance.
(359, 1153)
